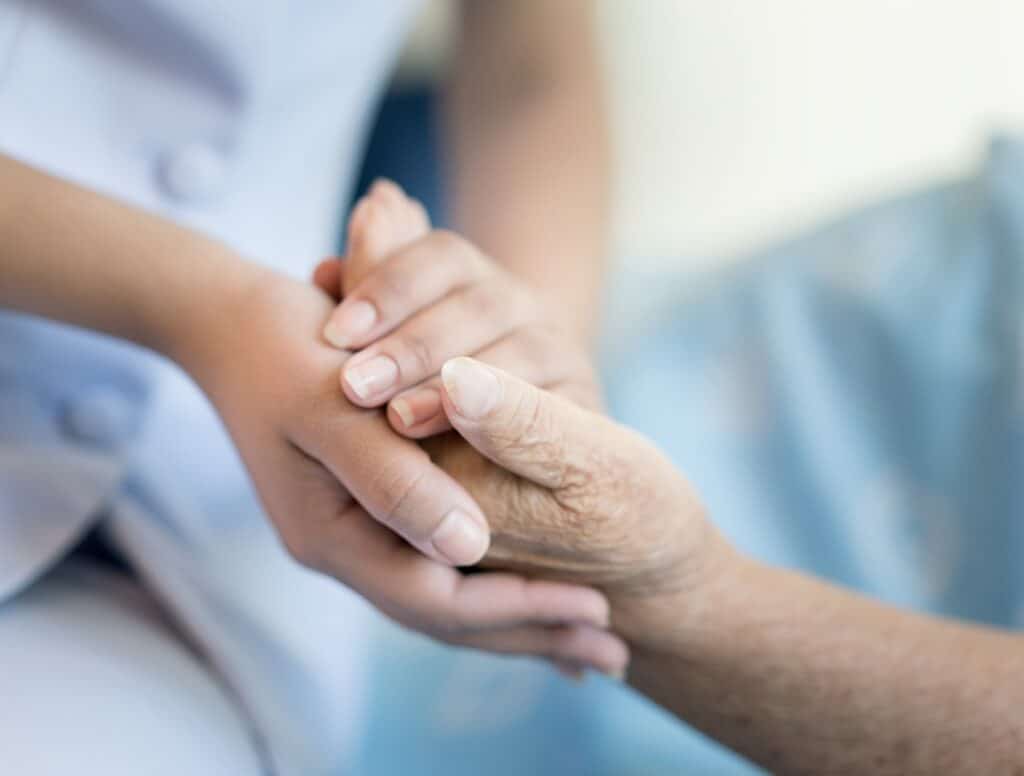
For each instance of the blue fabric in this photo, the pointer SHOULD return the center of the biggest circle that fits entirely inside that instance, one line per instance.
(404, 145)
(850, 403)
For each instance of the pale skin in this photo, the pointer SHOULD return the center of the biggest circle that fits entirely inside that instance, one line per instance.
(796, 674)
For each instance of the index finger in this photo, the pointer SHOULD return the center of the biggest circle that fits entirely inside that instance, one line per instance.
(397, 483)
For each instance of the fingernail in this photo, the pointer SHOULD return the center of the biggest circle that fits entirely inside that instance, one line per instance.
(473, 388)
(415, 408)
(460, 538)
(404, 412)
(350, 323)
(372, 377)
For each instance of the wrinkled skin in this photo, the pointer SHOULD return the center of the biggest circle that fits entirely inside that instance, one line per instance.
(614, 522)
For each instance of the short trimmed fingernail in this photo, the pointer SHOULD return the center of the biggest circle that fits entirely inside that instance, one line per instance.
(460, 538)
(349, 323)
(372, 377)
(473, 388)
(404, 412)
(418, 407)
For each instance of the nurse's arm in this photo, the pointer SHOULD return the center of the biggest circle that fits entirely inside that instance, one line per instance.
(250, 339)
(72, 255)
(798, 675)
(529, 147)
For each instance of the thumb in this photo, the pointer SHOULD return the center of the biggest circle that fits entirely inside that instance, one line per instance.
(531, 432)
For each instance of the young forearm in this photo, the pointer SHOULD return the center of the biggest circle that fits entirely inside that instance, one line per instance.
(530, 148)
(803, 677)
(75, 256)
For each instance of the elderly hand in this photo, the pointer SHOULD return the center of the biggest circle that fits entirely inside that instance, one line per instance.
(577, 497)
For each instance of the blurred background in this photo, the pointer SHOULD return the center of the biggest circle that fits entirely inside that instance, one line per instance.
(738, 122)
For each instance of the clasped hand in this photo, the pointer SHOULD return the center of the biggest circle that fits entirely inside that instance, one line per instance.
(348, 495)
(550, 493)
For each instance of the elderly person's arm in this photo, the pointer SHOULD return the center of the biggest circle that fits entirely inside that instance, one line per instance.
(798, 675)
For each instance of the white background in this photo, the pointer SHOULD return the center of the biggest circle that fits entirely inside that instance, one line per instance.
(739, 120)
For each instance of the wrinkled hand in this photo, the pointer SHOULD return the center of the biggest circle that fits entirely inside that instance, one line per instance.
(577, 497)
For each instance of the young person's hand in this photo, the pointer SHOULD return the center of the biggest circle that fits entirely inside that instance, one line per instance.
(431, 297)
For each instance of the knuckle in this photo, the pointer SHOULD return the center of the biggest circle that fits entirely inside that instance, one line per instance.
(416, 355)
(394, 487)
(592, 490)
(392, 286)
(527, 413)
(532, 434)
(563, 642)
(450, 243)
(480, 302)
(459, 252)
(577, 492)
(560, 641)
(336, 433)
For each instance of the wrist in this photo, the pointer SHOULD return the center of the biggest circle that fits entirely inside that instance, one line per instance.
(195, 328)
(692, 607)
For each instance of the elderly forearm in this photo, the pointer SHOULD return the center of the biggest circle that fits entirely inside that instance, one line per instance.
(803, 677)
(794, 673)
(530, 147)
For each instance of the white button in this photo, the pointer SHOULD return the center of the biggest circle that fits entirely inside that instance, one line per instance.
(194, 172)
(103, 416)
